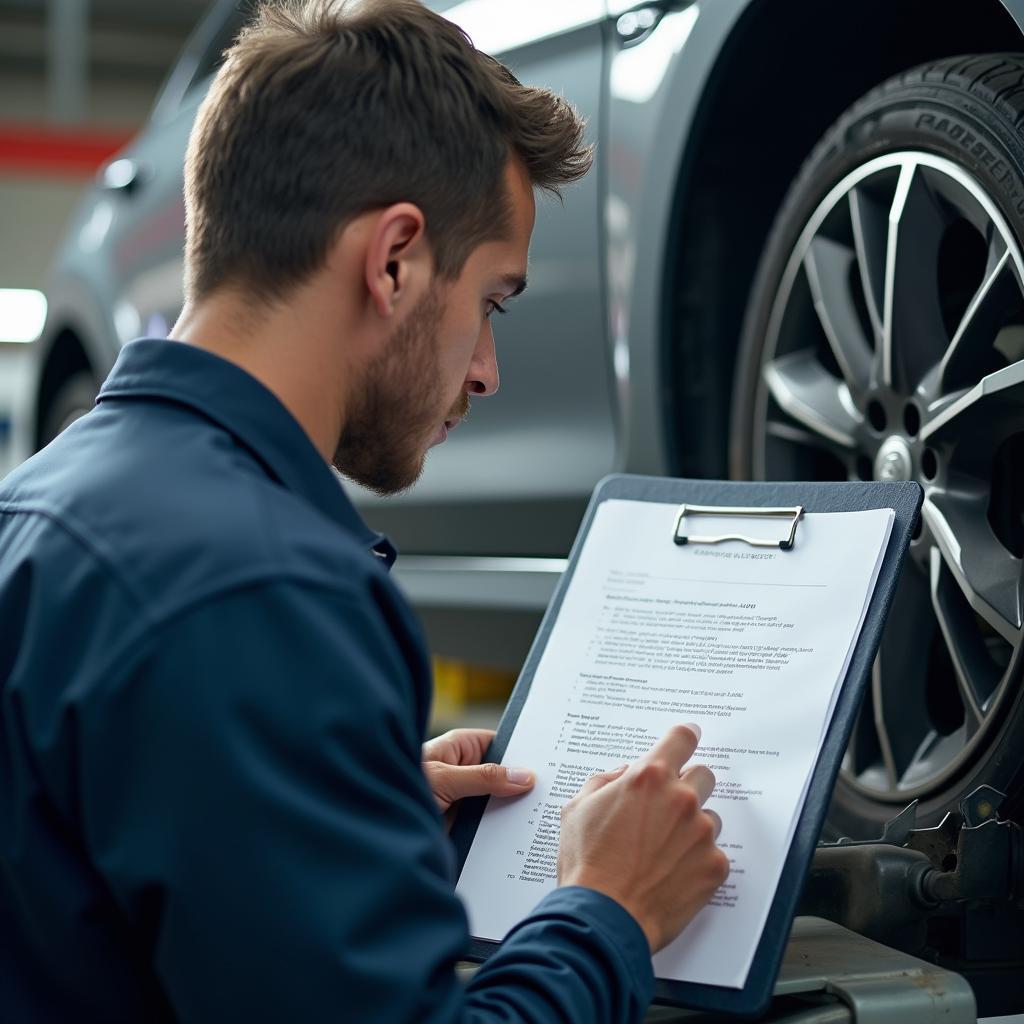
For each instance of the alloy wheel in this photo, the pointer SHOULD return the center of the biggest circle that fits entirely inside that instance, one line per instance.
(895, 351)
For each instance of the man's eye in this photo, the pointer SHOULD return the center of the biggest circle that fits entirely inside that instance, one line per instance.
(495, 307)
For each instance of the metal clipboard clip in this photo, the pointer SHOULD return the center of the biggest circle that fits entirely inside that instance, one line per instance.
(795, 513)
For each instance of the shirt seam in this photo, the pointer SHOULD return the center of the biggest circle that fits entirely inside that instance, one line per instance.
(81, 537)
(267, 572)
(264, 575)
(142, 640)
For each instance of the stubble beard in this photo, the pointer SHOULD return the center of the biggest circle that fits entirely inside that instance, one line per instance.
(393, 410)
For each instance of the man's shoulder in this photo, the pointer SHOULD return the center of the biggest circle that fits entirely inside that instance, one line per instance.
(176, 525)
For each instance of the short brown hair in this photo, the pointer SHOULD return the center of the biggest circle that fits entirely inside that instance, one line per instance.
(324, 109)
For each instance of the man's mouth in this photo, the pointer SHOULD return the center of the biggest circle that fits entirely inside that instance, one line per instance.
(442, 432)
(455, 416)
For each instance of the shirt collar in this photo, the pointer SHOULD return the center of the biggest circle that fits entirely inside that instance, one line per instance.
(254, 416)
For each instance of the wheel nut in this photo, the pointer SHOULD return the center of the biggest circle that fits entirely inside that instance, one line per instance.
(911, 419)
(929, 464)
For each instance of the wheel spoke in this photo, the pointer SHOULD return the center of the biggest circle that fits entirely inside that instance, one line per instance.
(913, 332)
(892, 774)
(993, 303)
(870, 230)
(786, 431)
(936, 752)
(916, 281)
(828, 265)
(975, 674)
(986, 573)
(813, 397)
(994, 406)
(900, 677)
(863, 752)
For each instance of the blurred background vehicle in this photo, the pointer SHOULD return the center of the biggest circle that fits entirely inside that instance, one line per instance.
(798, 256)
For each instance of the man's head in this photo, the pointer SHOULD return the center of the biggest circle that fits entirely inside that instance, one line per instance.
(365, 152)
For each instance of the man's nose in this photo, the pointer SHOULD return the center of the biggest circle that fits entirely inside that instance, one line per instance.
(482, 378)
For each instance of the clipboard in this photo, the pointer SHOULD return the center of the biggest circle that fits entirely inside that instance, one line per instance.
(708, 496)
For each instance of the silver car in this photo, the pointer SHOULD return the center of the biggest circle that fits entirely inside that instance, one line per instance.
(798, 256)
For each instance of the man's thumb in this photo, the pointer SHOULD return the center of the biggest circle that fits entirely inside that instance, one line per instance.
(453, 782)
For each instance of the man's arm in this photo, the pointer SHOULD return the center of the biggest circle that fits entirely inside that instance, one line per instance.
(254, 799)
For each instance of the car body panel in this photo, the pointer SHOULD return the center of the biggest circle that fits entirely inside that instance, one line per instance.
(654, 90)
(584, 386)
(145, 244)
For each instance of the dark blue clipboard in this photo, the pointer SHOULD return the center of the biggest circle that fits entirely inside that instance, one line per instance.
(905, 499)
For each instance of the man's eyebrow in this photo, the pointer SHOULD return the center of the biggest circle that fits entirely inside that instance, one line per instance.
(515, 283)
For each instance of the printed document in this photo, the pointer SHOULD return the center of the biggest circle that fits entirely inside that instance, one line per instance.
(750, 643)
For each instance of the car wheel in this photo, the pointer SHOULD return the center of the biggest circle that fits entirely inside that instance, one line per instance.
(884, 339)
(73, 399)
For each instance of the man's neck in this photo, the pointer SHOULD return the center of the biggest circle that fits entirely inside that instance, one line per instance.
(278, 347)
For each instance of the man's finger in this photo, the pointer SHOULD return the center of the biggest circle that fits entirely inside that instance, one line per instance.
(676, 747)
(601, 779)
(458, 746)
(701, 779)
(453, 782)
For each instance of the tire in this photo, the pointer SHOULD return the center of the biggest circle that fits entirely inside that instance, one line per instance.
(891, 285)
(73, 399)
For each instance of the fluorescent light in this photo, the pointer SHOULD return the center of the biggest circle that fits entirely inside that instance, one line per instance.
(22, 314)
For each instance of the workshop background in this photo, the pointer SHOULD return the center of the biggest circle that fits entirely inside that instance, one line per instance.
(77, 79)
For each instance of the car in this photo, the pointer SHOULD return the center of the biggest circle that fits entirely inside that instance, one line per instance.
(798, 256)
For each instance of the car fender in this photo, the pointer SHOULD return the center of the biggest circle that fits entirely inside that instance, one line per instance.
(72, 306)
(654, 91)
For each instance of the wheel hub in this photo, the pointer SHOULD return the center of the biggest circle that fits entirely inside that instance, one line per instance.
(893, 461)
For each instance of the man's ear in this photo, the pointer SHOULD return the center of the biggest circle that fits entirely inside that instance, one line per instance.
(398, 261)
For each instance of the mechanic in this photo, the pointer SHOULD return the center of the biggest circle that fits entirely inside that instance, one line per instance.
(213, 803)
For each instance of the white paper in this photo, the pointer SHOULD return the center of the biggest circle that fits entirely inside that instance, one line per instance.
(749, 643)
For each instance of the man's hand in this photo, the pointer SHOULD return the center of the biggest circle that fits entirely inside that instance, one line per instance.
(452, 765)
(639, 835)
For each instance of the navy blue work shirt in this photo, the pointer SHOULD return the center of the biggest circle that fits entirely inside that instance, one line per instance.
(212, 700)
